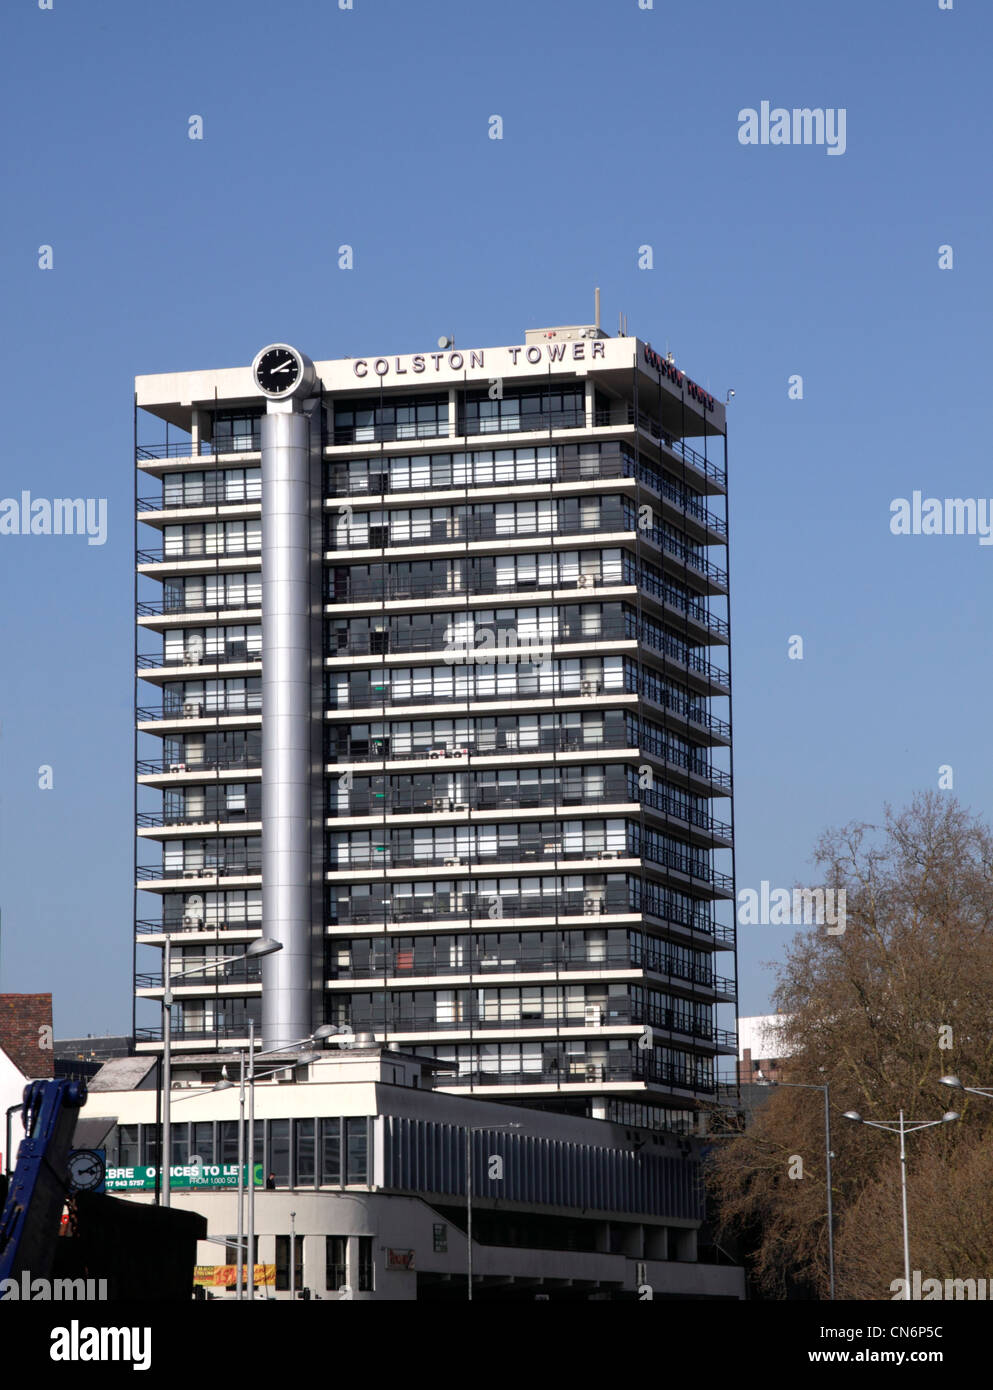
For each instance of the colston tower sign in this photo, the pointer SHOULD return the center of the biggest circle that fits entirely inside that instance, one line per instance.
(582, 350)
(611, 353)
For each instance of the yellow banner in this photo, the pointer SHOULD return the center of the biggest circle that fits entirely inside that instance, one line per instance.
(226, 1276)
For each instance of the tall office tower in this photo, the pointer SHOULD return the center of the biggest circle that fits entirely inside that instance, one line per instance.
(440, 650)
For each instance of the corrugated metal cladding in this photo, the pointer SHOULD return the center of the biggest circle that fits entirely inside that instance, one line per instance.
(421, 1156)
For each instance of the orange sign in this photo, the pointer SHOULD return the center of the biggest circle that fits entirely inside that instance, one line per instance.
(226, 1276)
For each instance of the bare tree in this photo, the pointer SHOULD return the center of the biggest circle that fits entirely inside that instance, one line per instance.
(879, 1012)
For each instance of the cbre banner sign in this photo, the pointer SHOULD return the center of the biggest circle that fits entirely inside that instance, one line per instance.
(207, 1175)
(671, 371)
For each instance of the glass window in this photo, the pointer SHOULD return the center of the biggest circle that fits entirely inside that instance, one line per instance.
(365, 1262)
(357, 1143)
(303, 1149)
(331, 1152)
(283, 1263)
(279, 1152)
(335, 1258)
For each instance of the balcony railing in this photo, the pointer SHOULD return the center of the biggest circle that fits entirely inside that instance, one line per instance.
(154, 607)
(244, 972)
(399, 641)
(503, 743)
(230, 868)
(185, 448)
(195, 550)
(513, 908)
(233, 654)
(215, 815)
(561, 795)
(183, 1032)
(673, 704)
(614, 1013)
(223, 492)
(531, 852)
(198, 708)
(456, 473)
(420, 962)
(574, 1072)
(193, 922)
(221, 762)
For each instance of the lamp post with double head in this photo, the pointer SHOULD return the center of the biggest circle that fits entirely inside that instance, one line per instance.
(263, 946)
(903, 1127)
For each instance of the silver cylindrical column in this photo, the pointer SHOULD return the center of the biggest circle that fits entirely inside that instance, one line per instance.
(286, 725)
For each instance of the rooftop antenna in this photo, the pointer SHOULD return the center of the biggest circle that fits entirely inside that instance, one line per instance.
(596, 308)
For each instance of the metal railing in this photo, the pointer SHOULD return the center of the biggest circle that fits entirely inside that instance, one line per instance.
(503, 743)
(205, 763)
(342, 481)
(195, 550)
(614, 1013)
(184, 448)
(155, 607)
(213, 494)
(390, 857)
(230, 656)
(160, 926)
(243, 972)
(231, 868)
(198, 708)
(551, 796)
(181, 1032)
(548, 905)
(573, 1072)
(420, 962)
(215, 815)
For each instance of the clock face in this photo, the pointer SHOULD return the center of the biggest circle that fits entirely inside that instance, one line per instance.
(277, 371)
(86, 1170)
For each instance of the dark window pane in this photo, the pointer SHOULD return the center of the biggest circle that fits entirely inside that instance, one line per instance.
(279, 1152)
(331, 1151)
(357, 1136)
(283, 1263)
(304, 1152)
(365, 1263)
(336, 1250)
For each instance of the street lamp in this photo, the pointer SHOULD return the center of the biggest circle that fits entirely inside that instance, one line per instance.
(815, 1086)
(470, 1130)
(957, 1085)
(262, 946)
(318, 1035)
(903, 1127)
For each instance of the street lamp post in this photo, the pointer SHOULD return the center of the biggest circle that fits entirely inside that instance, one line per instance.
(318, 1035)
(903, 1127)
(815, 1086)
(262, 946)
(470, 1130)
(293, 1255)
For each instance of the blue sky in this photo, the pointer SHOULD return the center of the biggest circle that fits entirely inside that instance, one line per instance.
(369, 127)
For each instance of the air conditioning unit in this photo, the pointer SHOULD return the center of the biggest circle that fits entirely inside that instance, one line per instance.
(192, 709)
(436, 753)
(586, 581)
(440, 803)
(191, 920)
(587, 687)
(594, 1071)
(459, 753)
(177, 767)
(459, 806)
(592, 904)
(452, 863)
(593, 1016)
